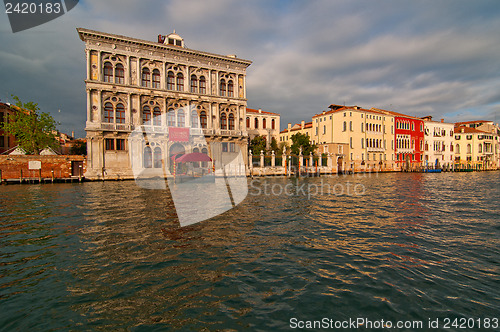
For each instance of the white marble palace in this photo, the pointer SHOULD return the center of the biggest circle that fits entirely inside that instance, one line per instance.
(164, 86)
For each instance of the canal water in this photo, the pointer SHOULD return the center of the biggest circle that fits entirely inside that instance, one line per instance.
(394, 247)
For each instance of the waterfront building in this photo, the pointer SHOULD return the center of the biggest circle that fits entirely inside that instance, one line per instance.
(7, 142)
(285, 136)
(493, 161)
(365, 136)
(408, 139)
(162, 87)
(475, 148)
(438, 143)
(262, 123)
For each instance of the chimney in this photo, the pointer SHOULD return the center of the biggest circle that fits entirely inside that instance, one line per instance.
(442, 120)
(302, 124)
(462, 130)
(73, 134)
(289, 126)
(260, 110)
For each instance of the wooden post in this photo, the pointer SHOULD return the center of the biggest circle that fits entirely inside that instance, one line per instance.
(21, 178)
(52, 175)
(40, 175)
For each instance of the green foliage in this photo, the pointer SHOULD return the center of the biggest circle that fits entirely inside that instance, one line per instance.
(33, 130)
(79, 148)
(257, 144)
(302, 140)
(274, 147)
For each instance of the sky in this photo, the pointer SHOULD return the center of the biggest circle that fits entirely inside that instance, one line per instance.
(438, 58)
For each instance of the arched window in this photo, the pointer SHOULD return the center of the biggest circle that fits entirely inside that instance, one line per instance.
(469, 148)
(194, 119)
(156, 116)
(204, 163)
(345, 126)
(146, 115)
(170, 81)
(146, 77)
(362, 143)
(350, 125)
(181, 118)
(231, 121)
(194, 84)
(119, 74)
(180, 82)
(223, 121)
(203, 85)
(157, 158)
(256, 123)
(230, 89)
(203, 119)
(108, 113)
(108, 72)
(457, 148)
(273, 126)
(264, 123)
(248, 122)
(156, 79)
(480, 146)
(148, 157)
(171, 118)
(120, 113)
(222, 88)
(451, 147)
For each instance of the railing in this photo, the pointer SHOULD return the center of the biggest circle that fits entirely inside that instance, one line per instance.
(372, 149)
(116, 126)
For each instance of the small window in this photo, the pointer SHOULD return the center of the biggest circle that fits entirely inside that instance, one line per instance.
(230, 89)
(110, 144)
(146, 78)
(181, 119)
(108, 113)
(231, 147)
(156, 116)
(171, 118)
(224, 147)
(180, 82)
(120, 144)
(223, 122)
(156, 79)
(272, 124)
(256, 123)
(203, 85)
(146, 115)
(194, 119)
(194, 84)
(119, 74)
(222, 88)
(108, 72)
(120, 113)
(203, 119)
(248, 122)
(264, 123)
(170, 81)
(231, 121)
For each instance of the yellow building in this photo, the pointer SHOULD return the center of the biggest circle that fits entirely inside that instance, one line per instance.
(262, 123)
(366, 137)
(303, 128)
(474, 148)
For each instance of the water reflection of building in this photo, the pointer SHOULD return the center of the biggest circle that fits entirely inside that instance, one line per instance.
(165, 87)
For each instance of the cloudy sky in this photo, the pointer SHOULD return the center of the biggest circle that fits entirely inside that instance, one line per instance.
(439, 57)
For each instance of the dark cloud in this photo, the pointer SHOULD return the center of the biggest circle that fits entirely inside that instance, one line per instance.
(426, 57)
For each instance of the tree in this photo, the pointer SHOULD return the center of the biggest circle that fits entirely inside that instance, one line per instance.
(274, 147)
(79, 148)
(302, 140)
(257, 144)
(33, 130)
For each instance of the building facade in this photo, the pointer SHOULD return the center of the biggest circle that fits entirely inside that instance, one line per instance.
(306, 128)
(438, 144)
(262, 123)
(165, 89)
(365, 136)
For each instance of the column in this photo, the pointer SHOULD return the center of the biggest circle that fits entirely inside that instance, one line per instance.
(89, 63)
(261, 158)
(273, 159)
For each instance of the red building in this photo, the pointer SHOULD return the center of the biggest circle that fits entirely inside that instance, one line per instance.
(408, 139)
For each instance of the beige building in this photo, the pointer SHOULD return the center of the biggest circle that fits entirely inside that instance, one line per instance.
(475, 148)
(159, 87)
(285, 136)
(363, 139)
(438, 143)
(262, 123)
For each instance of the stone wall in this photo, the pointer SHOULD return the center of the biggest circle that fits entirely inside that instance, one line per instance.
(61, 166)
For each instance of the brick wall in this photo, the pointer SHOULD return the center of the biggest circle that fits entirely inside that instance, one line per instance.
(11, 166)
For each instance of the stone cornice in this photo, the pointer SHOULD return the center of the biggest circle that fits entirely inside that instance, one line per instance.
(86, 34)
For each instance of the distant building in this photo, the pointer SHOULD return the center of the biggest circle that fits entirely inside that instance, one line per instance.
(475, 148)
(303, 128)
(262, 123)
(7, 142)
(438, 143)
(162, 87)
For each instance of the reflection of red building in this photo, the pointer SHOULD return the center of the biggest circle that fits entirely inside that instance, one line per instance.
(408, 139)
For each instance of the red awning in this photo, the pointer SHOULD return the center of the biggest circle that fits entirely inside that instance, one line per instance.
(192, 157)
